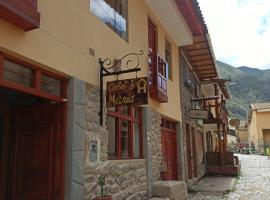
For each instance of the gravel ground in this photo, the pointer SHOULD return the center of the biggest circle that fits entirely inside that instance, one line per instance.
(254, 183)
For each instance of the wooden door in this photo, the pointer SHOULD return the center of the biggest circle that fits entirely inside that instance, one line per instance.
(37, 153)
(209, 142)
(170, 152)
(266, 138)
(194, 153)
(188, 152)
(4, 146)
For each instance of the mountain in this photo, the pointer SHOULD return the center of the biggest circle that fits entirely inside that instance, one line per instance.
(248, 85)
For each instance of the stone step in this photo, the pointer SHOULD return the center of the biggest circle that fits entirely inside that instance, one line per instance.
(172, 190)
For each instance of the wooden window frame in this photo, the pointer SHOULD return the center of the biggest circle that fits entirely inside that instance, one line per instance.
(119, 117)
(158, 67)
(168, 125)
(116, 6)
(37, 74)
(168, 52)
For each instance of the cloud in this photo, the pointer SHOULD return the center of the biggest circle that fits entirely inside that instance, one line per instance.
(240, 31)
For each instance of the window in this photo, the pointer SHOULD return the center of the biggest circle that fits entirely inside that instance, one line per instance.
(168, 58)
(187, 74)
(113, 13)
(31, 79)
(190, 80)
(18, 73)
(125, 133)
(50, 85)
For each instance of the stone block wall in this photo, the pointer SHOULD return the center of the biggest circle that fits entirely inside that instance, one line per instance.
(186, 105)
(125, 179)
(154, 141)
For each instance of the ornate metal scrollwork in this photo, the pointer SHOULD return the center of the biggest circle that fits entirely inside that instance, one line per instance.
(127, 62)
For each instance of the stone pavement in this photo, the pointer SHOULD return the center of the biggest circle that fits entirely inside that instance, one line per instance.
(215, 186)
(254, 183)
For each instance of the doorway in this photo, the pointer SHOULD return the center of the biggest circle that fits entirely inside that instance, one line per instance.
(32, 147)
(169, 148)
(194, 153)
(32, 140)
(188, 152)
(266, 138)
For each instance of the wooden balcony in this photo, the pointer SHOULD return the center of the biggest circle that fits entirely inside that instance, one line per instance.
(22, 13)
(158, 70)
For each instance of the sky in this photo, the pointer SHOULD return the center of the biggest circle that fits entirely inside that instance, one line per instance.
(239, 30)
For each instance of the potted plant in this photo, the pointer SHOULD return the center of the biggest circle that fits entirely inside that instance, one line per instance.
(101, 182)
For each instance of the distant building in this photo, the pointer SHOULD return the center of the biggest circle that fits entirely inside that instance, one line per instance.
(259, 126)
(242, 132)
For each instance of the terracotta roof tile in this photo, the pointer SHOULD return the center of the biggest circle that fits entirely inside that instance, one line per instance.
(260, 106)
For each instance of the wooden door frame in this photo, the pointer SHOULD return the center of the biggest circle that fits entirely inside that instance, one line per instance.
(38, 92)
(170, 130)
(194, 153)
(61, 142)
(188, 151)
(37, 80)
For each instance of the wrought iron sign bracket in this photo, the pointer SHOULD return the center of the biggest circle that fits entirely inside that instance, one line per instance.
(108, 68)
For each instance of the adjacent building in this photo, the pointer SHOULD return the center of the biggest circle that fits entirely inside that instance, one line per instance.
(59, 128)
(259, 126)
(242, 133)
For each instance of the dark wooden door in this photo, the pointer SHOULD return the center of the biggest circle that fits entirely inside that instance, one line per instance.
(4, 146)
(188, 152)
(194, 153)
(36, 132)
(170, 152)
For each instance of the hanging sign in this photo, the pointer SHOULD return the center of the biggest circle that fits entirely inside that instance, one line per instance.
(234, 122)
(198, 114)
(127, 92)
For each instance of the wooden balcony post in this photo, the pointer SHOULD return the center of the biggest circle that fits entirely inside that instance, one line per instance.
(217, 108)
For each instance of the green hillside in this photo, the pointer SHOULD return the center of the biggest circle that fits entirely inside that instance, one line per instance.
(248, 85)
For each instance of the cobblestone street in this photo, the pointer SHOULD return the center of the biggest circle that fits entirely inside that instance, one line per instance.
(254, 183)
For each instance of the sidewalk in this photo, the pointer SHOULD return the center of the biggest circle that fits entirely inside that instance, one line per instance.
(215, 186)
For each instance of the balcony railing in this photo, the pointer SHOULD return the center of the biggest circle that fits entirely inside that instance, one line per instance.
(158, 71)
(22, 13)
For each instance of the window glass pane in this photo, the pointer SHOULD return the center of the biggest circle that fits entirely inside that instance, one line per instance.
(168, 58)
(137, 113)
(112, 109)
(18, 73)
(50, 85)
(124, 139)
(120, 17)
(136, 140)
(113, 13)
(111, 137)
(124, 110)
